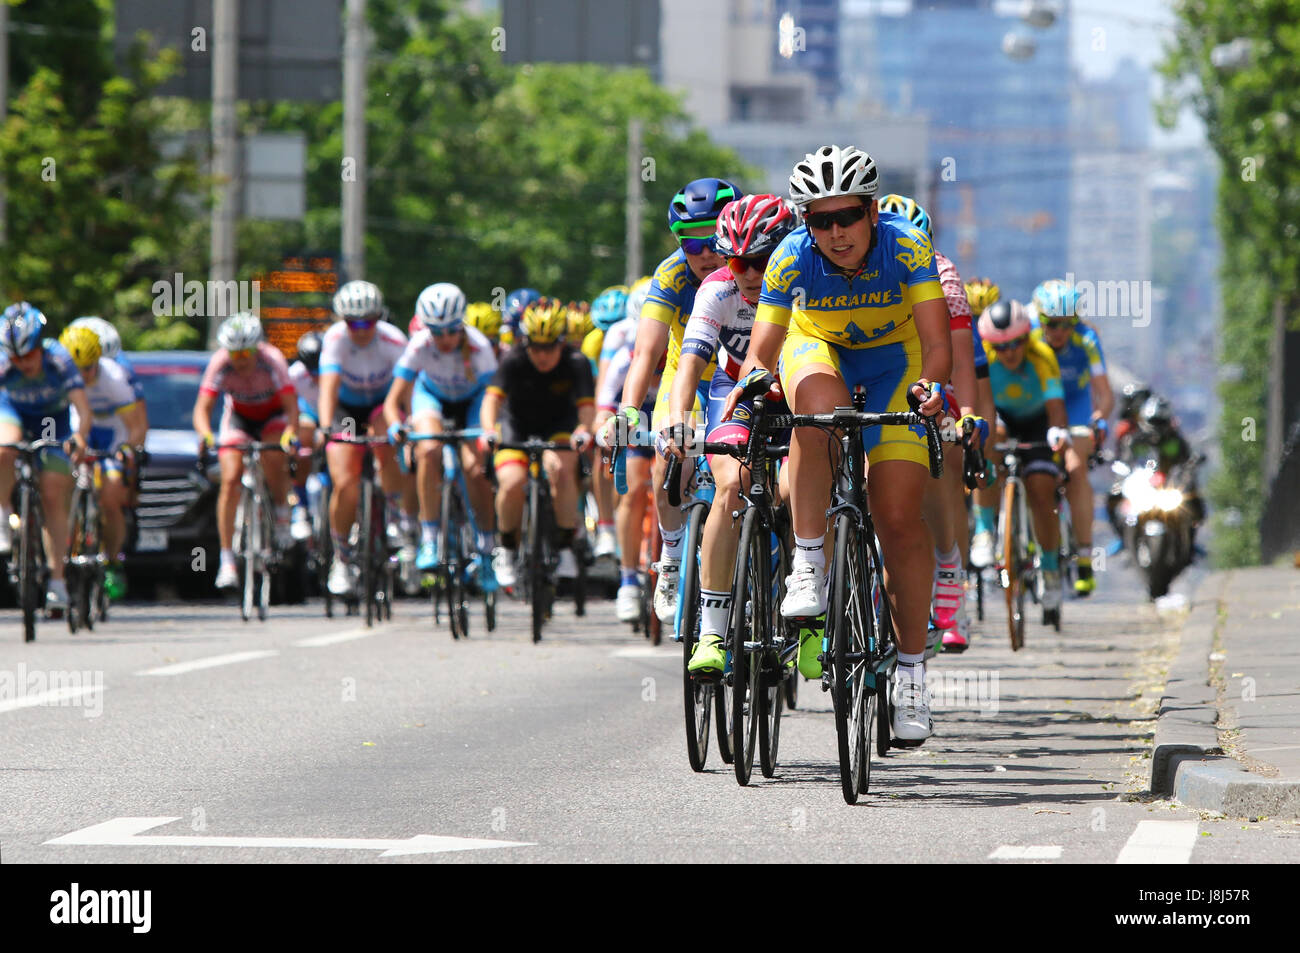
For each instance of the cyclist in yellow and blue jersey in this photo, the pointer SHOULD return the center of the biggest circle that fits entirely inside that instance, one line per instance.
(1088, 403)
(858, 292)
(692, 217)
(1031, 408)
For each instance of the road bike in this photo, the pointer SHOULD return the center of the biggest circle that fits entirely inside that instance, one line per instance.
(538, 556)
(458, 537)
(86, 563)
(376, 562)
(254, 542)
(29, 573)
(859, 647)
(1019, 573)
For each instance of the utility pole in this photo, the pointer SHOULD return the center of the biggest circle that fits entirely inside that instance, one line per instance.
(354, 141)
(634, 202)
(225, 148)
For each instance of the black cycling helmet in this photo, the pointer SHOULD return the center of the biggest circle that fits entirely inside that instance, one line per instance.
(1132, 398)
(309, 350)
(1157, 413)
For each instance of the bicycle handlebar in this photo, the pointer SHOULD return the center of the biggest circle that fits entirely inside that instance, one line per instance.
(32, 446)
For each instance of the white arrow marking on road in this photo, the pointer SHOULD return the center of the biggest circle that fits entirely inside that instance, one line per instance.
(1032, 852)
(126, 831)
(1159, 842)
(212, 661)
(54, 696)
(316, 641)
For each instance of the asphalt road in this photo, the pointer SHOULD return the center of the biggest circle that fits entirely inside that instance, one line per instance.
(303, 739)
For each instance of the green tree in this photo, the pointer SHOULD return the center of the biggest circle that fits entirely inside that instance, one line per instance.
(494, 176)
(1252, 115)
(95, 212)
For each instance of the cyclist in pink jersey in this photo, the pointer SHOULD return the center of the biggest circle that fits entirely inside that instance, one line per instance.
(260, 405)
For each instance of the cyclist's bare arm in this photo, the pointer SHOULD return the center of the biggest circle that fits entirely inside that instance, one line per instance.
(329, 398)
(963, 371)
(1103, 398)
(651, 342)
(1056, 415)
(398, 400)
(203, 415)
(932, 326)
(490, 411)
(137, 424)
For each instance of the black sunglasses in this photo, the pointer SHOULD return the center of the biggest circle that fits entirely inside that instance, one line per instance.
(843, 217)
(1010, 345)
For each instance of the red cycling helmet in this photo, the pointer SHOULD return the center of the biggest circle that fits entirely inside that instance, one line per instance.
(753, 226)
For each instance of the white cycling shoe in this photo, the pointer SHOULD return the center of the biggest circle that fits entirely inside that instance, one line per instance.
(981, 550)
(627, 604)
(805, 592)
(503, 567)
(666, 591)
(912, 721)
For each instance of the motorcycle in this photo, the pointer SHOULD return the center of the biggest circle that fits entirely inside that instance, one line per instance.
(1156, 515)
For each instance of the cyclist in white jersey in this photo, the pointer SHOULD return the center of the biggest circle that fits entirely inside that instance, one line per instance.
(118, 419)
(305, 375)
(440, 380)
(358, 355)
(722, 318)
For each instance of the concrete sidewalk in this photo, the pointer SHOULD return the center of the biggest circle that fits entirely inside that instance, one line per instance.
(1228, 734)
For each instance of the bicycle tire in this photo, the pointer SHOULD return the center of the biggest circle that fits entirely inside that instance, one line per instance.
(697, 695)
(850, 660)
(30, 595)
(74, 574)
(366, 556)
(265, 547)
(537, 582)
(747, 624)
(452, 551)
(780, 572)
(773, 676)
(580, 579)
(1012, 583)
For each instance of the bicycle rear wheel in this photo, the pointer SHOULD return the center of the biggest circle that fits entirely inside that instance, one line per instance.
(697, 694)
(1012, 561)
(849, 623)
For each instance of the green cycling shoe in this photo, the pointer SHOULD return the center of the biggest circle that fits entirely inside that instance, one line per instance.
(708, 654)
(114, 583)
(810, 647)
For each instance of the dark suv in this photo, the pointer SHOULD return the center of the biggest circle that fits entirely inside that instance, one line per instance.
(177, 510)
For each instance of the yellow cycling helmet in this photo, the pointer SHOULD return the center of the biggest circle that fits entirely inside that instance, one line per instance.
(580, 323)
(484, 317)
(545, 321)
(981, 293)
(83, 344)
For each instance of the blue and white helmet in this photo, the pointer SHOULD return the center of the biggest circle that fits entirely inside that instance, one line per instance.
(21, 328)
(110, 342)
(441, 307)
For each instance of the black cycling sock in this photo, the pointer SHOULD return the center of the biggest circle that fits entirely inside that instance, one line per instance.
(510, 540)
(562, 538)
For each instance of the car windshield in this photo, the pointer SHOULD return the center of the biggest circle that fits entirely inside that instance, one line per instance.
(169, 392)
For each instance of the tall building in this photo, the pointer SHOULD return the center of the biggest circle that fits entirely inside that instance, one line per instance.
(811, 38)
(999, 149)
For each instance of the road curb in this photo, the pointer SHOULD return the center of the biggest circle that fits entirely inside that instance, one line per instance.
(1187, 762)
(1188, 709)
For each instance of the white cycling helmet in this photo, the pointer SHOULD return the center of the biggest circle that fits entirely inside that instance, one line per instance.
(636, 296)
(239, 332)
(110, 342)
(832, 171)
(441, 307)
(359, 300)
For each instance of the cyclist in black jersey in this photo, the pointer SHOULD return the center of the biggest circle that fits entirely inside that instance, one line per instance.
(543, 389)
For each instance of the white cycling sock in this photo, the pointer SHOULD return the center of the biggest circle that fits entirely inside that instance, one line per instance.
(911, 667)
(809, 552)
(672, 548)
(714, 609)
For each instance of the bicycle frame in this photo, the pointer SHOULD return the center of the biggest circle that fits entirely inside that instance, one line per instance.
(377, 562)
(32, 572)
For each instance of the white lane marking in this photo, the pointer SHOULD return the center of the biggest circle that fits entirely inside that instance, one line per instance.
(212, 661)
(647, 651)
(1031, 852)
(1160, 842)
(127, 831)
(54, 696)
(316, 641)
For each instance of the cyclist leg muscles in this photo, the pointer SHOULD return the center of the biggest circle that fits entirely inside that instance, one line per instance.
(428, 464)
(813, 385)
(56, 492)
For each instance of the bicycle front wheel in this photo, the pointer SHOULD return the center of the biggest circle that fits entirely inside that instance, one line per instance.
(367, 556)
(852, 683)
(748, 637)
(30, 561)
(697, 693)
(1013, 562)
